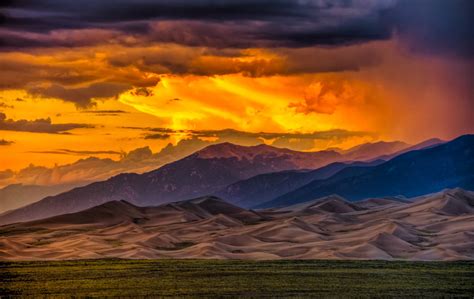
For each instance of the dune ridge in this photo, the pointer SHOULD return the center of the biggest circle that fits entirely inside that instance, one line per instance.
(438, 226)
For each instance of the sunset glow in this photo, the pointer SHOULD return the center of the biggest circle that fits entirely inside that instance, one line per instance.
(106, 88)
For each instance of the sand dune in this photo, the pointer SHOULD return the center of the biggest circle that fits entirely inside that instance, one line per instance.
(434, 227)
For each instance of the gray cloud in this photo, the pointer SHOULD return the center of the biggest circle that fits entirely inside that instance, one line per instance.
(46, 15)
(297, 141)
(77, 153)
(338, 133)
(265, 135)
(440, 25)
(96, 169)
(4, 142)
(6, 175)
(142, 91)
(104, 112)
(157, 136)
(160, 130)
(143, 159)
(81, 96)
(61, 80)
(43, 125)
(5, 106)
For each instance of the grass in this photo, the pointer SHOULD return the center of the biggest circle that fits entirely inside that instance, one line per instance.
(205, 278)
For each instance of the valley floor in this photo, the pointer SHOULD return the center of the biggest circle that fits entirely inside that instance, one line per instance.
(204, 278)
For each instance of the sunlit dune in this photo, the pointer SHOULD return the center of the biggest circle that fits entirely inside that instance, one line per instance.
(436, 227)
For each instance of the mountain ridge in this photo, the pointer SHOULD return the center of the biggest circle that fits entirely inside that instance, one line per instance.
(192, 176)
(263, 187)
(410, 174)
(189, 177)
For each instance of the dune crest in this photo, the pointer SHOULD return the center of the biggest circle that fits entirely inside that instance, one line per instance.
(433, 227)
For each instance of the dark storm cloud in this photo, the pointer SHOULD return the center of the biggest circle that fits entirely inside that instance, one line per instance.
(63, 78)
(257, 22)
(440, 25)
(43, 125)
(104, 12)
(436, 26)
(308, 36)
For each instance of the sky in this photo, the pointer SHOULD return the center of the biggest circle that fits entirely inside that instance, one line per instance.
(152, 81)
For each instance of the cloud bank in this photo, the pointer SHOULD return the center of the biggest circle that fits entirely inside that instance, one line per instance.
(211, 33)
(42, 125)
(4, 142)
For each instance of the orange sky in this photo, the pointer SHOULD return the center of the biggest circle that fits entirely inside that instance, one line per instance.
(391, 94)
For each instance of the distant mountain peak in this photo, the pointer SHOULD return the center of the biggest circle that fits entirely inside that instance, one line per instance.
(433, 140)
(369, 150)
(410, 174)
(221, 165)
(377, 143)
(230, 150)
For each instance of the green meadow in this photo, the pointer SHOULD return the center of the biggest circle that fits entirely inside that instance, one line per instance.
(221, 278)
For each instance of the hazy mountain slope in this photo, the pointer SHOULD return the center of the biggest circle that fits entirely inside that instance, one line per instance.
(433, 227)
(145, 158)
(422, 145)
(202, 173)
(411, 174)
(368, 151)
(264, 187)
(18, 195)
(208, 171)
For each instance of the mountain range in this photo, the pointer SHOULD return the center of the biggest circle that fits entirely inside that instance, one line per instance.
(85, 171)
(257, 176)
(410, 174)
(201, 173)
(15, 196)
(434, 227)
(267, 186)
(207, 171)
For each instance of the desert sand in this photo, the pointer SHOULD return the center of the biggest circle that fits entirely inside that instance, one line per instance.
(434, 227)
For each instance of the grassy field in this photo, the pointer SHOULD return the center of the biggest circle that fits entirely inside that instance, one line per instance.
(196, 278)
